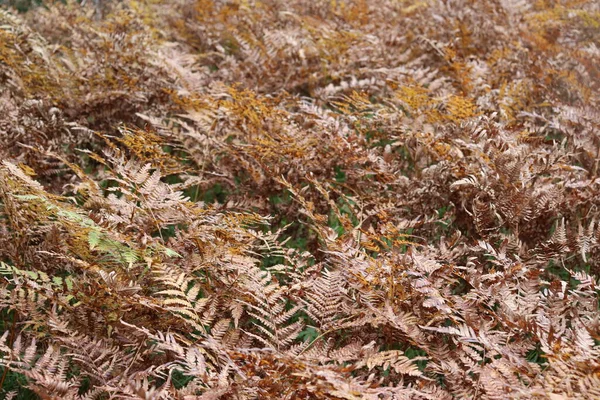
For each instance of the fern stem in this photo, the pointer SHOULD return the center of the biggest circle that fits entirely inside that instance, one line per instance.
(317, 338)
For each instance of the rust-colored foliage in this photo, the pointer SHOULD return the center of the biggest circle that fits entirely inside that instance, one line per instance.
(300, 199)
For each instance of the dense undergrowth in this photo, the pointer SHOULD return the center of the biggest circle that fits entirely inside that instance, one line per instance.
(300, 199)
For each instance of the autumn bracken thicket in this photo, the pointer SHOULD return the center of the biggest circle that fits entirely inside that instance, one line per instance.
(300, 199)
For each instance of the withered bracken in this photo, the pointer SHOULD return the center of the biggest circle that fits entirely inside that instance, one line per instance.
(300, 199)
